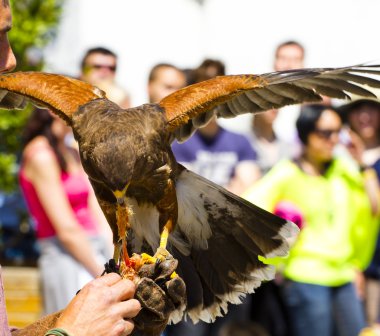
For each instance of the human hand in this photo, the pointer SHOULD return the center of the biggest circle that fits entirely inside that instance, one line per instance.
(354, 145)
(359, 283)
(160, 294)
(105, 306)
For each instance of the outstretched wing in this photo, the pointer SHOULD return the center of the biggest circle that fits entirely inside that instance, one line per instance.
(228, 96)
(62, 94)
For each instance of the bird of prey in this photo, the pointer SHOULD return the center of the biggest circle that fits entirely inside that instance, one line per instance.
(156, 204)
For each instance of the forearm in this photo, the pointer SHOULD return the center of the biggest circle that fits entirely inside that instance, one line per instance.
(372, 189)
(40, 327)
(78, 245)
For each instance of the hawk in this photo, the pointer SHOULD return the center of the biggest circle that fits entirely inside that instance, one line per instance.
(155, 205)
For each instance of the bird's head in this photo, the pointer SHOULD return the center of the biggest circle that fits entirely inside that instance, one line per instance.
(118, 170)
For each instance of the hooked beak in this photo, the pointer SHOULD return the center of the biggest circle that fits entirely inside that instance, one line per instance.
(120, 195)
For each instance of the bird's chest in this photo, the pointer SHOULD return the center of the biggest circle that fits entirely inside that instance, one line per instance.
(149, 185)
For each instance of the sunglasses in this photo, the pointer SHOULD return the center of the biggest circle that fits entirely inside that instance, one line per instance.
(326, 133)
(101, 66)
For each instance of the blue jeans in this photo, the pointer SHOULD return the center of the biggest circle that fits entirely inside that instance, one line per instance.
(323, 311)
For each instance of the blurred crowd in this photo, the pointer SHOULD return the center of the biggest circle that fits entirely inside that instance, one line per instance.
(317, 165)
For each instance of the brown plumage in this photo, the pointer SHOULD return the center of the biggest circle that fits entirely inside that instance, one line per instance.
(216, 236)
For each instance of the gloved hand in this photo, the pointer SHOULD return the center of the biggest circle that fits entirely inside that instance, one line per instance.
(159, 294)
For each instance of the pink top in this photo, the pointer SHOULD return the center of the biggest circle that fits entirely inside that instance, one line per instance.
(77, 189)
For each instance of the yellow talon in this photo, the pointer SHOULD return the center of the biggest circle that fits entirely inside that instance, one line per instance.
(147, 259)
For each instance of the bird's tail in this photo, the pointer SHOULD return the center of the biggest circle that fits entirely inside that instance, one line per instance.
(218, 241)
(62, 94)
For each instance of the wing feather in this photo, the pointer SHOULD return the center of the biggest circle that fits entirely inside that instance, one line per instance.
(238, 94)
(62, 94)
(234, 233)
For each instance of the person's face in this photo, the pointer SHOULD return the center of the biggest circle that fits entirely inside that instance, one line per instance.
(267, 117)
(288, 58)
(7, 58)
(365, 120)
(59, 127)
(99, 68)
(322, 141)
(166, 81)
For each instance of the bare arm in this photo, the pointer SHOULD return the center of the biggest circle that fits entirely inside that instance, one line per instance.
(101, 221)
(371, 183)
(44, 172)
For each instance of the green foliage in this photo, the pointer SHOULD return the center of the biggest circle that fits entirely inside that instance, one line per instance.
(34, 26)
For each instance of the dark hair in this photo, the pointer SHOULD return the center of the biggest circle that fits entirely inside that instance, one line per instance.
(153, 72)
(208, 69)
(308, 118)
(40, 123)
(96, 50)
(290, 43)
(6, 3)
(347, 109)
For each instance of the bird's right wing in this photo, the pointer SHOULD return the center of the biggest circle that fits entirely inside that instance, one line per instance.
(62, 94)
(228, 96)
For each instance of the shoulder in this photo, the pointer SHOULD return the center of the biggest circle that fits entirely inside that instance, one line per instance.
(39, 159)
(38, 151)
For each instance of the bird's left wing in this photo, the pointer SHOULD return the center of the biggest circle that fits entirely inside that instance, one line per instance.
(228, 96)
(62, 94)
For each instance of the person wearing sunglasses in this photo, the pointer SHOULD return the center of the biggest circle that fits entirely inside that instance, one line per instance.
(336, 210)
(98, 67)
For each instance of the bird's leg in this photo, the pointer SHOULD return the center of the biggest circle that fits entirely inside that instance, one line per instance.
(127, 264)
(122, 226)
(168, 209)
(162, 252)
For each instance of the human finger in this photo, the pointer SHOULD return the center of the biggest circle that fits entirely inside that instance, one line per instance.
(123, 328)
(109, 279)
(123, 289)
(128, 309)
(129, 326)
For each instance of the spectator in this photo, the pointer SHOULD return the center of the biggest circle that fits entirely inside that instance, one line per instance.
(363, 117)
(67, 216)
(333, 206)
(163, 80)
(98, 67)
(288, 55)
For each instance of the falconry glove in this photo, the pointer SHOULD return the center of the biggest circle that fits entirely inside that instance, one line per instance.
(160, 292)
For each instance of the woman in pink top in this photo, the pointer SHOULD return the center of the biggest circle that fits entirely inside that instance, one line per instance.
(62, 204)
